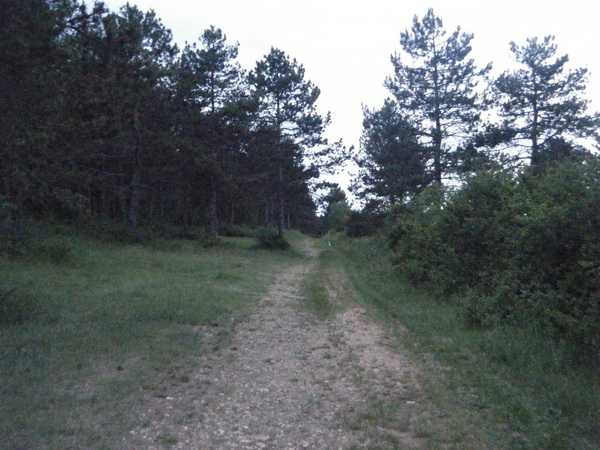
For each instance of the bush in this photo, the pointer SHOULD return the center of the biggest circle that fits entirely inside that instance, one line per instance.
(232, 230)
(196, 234)
(268, 239)
(513, 249)
(364, 223)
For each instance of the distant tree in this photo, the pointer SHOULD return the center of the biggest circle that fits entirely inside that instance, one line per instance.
(437, 87)
(393, 165)
(287, 112)
(337, 209)
(335, 195)
(542, 101)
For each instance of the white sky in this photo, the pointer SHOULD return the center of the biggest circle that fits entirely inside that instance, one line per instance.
(345, 46)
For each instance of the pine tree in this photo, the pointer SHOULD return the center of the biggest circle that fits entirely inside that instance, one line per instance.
(542, 101)
(393, 165)
(211, 88)
(286, 108)
(31, 65)
(437, 87)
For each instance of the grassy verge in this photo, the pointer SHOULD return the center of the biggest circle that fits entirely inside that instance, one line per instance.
(502, 388)
(89, 330)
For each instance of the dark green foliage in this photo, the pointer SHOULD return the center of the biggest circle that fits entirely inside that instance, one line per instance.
(269, 239)
(364, 223)
(434, 84)
(337, 210)
(393, 165)
(513, 249)
(231, 230)
(103, 120)
(542, 101)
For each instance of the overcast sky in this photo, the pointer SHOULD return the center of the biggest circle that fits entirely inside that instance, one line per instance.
(345, 46)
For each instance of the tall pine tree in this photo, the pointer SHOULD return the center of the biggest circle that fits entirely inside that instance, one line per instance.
(287, 109)
(392, 163)
(435, 83)
(211, 89)
(542, 101)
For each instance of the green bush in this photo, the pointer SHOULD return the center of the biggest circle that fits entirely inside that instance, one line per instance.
(268, 239)
(521, 249)
(233, 230)
(364, 223)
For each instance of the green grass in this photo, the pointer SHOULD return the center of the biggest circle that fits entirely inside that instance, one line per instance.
(90, 330)
(501, 388)
(316, 289)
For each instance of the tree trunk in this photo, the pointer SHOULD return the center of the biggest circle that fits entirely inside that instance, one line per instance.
(535, 150)
(281, 215)
(136, 182)
(134, 205)
(213, 217)
(267, 210)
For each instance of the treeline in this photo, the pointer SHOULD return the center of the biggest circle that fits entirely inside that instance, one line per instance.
(103, 118)
(487, 188)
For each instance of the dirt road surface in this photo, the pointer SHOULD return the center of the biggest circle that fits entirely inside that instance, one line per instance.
(289, 380)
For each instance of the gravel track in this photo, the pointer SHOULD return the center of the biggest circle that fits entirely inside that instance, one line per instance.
(286, 380)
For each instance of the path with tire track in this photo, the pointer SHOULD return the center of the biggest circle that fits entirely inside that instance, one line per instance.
(288, 380)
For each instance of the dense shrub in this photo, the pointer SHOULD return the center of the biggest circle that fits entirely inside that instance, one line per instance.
(364, 223)
(268, 239)
(232, 230)
(519, 249)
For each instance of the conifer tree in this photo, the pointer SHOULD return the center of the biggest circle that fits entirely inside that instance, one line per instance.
(392, 163)
(286, 108)
(542, 101)
(435, 84)
(211, 87)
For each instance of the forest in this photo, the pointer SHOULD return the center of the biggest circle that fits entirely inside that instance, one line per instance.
(487, 189)
(104, 118)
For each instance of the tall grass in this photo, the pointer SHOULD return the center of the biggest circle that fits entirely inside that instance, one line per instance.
(89, 330)
(502, 388)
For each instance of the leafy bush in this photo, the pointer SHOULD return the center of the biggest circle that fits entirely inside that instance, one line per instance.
(196, 234)
(269, 239)
(513, 249)
(364, 223)
(233, 230)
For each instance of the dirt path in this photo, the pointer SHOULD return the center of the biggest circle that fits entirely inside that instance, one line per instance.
(288, 380)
